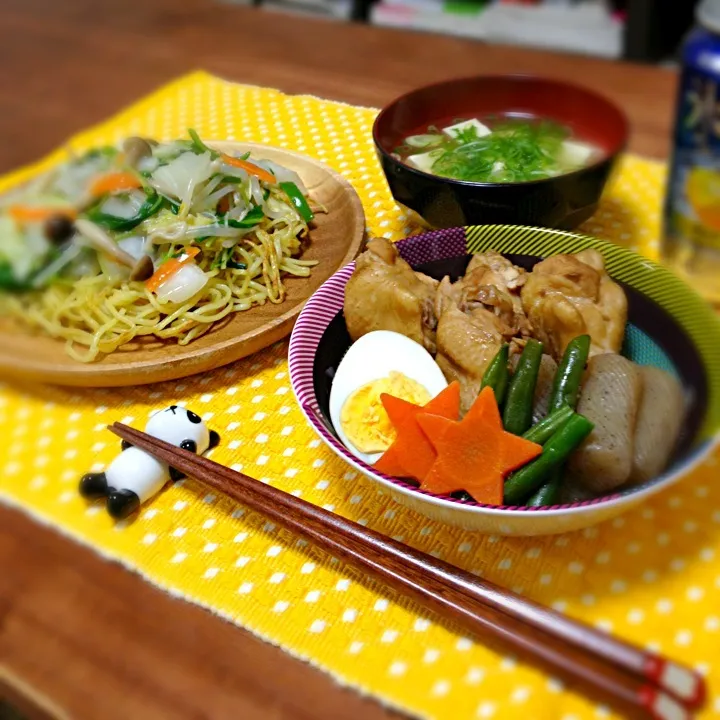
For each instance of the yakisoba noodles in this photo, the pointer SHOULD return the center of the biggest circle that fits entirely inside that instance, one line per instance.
(162, 240)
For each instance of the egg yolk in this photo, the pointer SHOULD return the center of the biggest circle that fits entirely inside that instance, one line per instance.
(363, 418)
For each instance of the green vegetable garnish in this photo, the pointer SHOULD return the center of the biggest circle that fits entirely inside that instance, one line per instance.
(298, 200)
(517, 150)
(199, 145)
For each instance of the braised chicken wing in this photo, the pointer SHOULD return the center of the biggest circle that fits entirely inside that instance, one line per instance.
(570, 295)
(466, 344)
(476, 315)
(384, 293)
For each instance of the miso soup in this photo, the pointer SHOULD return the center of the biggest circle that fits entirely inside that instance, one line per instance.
(499, 149)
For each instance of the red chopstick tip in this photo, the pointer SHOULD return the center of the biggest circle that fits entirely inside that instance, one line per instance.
(661, 706)
(685, 684)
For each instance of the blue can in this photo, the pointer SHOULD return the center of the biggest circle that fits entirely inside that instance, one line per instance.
(691, 243)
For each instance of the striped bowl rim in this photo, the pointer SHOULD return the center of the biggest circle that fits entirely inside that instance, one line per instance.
(678, 299)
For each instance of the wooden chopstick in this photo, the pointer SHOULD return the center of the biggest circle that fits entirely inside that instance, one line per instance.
(582, 655)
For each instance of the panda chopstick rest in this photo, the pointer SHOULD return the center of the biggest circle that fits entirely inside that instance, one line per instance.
(134, 476)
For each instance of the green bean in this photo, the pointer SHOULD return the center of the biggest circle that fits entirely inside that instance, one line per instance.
(517, 417)
(566, 384)
(497, 375)
(549, 492)
(565, 391)
(557, 449)
(542, 431)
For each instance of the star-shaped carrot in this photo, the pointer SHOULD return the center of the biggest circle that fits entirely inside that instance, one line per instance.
(476, 453)
(412, 454)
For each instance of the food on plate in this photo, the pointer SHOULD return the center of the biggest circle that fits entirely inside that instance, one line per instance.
(563, 396)
(659, 420)
(474, 454)
(609, 398)
(517, 417)
(362, 417)
(161, 239)
(379, 356)
(134, 476)
(476, 315)
(412, 454)
(492, 418)
(555, 452)
(497, 149)
(385, 293)
(543, 389)
(466, 344)
(570, 295)
(497, 374)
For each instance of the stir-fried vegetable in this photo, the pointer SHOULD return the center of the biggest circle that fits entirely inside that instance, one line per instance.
(33, 213)
(169, 268)
(249, 168)
(298, 200)
(114, 182)
(113, 212)
(103, 229)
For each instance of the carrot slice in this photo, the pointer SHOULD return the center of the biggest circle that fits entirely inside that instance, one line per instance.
(476, 453)
(250, 168)
(114, 182)
(412, 454)
(169, 268)
(28, 213)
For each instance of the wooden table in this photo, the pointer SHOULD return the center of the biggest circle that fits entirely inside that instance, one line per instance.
(84, 637)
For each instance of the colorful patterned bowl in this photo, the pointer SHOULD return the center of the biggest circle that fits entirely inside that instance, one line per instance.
(669, 326)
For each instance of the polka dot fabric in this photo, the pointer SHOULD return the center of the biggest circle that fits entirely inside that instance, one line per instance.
(652, 575)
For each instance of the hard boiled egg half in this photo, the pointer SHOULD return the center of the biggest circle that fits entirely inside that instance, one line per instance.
(379, 362)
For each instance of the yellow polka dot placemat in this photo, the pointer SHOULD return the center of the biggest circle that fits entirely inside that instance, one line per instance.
(652, 575)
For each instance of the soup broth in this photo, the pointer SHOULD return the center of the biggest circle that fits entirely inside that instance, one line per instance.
(499, 149)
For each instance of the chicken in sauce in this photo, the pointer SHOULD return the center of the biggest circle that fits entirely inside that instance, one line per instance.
(570, 295)
(476, 315)
(385, 293)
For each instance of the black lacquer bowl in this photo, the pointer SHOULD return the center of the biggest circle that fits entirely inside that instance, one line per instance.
(560, 202)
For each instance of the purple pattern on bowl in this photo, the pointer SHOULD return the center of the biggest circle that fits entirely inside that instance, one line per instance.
(314, 319)
(432, 246)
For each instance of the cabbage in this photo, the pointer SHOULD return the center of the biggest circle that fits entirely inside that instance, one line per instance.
(282, 174)
(23, 251)
(179, 178)
(182, 285)
(125, 206)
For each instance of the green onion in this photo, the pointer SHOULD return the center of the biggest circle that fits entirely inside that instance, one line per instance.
(199, 145)
(515, 151)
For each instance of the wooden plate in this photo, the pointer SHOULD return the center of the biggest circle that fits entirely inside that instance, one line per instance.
(335, 240)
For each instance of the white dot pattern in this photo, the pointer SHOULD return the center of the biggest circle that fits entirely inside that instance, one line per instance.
(650, 576)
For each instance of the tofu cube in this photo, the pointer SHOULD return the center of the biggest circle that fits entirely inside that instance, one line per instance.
(424, 161)
(576, 154)
(482, 130)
